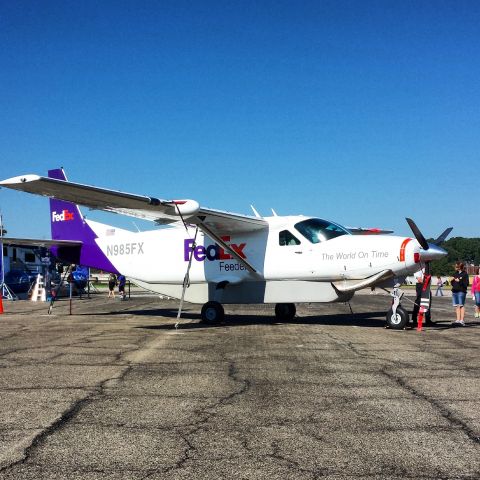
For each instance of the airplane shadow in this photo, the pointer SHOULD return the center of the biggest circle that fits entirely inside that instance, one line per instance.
(365, 320)
(358, 319)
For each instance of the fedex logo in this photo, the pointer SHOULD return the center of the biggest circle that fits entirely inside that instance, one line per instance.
(64, 216)
(211, 252)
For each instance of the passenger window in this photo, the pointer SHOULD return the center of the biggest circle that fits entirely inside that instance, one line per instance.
(287, 238)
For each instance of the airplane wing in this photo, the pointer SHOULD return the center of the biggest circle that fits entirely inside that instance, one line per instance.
(367, 231)
(36, 242)
(139, 206)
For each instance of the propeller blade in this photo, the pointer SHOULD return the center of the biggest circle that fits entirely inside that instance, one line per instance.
(418, 234)
(443, 236)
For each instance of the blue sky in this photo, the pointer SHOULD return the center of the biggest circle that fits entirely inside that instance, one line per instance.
(361, 112)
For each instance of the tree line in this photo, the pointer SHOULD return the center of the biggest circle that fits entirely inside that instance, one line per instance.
(466, 250)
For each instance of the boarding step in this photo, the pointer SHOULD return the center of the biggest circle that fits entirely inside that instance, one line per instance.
(39, 293)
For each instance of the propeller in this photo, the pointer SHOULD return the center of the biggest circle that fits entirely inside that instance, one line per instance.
(431, 251)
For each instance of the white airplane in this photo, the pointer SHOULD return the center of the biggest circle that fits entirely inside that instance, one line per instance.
(215, 257)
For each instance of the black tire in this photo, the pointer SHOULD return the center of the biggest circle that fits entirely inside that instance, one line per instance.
(398, 321)
(212, 313)
(285, 312)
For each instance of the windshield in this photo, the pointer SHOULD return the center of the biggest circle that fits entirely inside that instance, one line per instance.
(316, 230)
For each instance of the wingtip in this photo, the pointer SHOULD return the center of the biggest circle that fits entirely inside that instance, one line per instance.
(18, 180)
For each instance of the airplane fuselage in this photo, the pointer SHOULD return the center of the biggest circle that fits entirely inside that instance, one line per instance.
(158, 260)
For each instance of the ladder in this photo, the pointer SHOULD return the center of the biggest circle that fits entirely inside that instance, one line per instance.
(38, 292)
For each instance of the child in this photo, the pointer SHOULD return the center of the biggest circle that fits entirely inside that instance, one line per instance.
(439, 291)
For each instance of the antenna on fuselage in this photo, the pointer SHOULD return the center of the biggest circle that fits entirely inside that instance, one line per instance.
(274, 212)
(255, 212)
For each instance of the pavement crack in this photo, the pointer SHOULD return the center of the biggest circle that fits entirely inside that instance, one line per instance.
(208, 412)
(444, 411)
(291, 464)
(347, 345)
(65, 418)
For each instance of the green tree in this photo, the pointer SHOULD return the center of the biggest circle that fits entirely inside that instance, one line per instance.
(461, 249)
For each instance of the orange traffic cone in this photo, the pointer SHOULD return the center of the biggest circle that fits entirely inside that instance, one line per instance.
(1, 303)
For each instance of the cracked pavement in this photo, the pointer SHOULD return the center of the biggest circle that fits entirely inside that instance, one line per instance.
(115, 392)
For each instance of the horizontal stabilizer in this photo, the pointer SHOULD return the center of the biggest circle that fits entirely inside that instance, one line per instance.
(346, 286)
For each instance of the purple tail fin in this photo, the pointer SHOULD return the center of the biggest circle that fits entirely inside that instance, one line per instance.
(66, 220)
(67, 223)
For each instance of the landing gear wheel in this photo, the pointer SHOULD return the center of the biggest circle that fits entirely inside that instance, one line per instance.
(398, 321)
(285, 312)
(212, 313)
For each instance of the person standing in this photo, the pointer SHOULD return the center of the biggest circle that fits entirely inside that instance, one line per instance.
(476, 293)
(418, 298)
(121, 286)
(439, 292)
(112, 282)
(459, 292)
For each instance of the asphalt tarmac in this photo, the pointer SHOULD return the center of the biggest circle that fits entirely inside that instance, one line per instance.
(115, 392)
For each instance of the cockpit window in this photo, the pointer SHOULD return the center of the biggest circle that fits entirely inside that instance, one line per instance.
(287, 238)
(316, 230)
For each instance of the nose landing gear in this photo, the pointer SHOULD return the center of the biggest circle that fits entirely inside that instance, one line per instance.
(397, 316)
(397, 320)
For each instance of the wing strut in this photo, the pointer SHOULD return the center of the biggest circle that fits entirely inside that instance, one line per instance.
(186, 279)
(228, 248)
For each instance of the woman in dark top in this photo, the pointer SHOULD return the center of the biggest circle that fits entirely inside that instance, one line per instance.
(459, 284)
(112, 281)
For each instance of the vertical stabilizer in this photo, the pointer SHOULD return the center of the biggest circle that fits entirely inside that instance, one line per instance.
(66, 220)
(68, 223)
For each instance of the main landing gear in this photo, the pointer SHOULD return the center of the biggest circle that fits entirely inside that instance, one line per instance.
(213, 313)
(285, 312)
